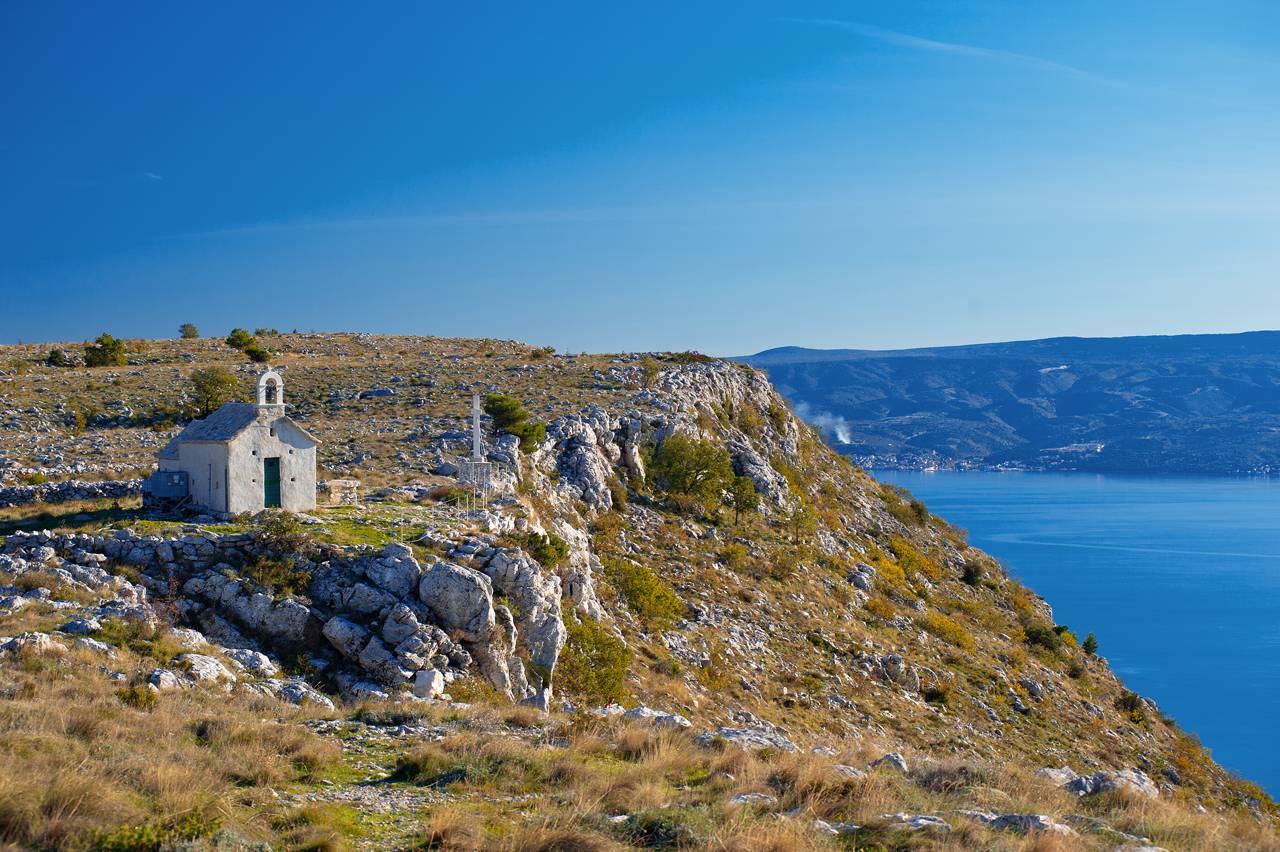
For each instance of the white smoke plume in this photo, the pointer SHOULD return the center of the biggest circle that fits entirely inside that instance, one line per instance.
(833, 424)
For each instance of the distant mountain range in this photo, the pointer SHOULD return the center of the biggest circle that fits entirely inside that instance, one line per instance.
(1204, 403)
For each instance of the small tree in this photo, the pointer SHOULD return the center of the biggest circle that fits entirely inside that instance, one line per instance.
(241, 339)
(743, 496)
(257, 354)
(213, 386)
(58, 358)
(188, 331)
(510, 416)
(802, 520)
(692, 467)
(1090, 645)
(106, 351)
(505, 410)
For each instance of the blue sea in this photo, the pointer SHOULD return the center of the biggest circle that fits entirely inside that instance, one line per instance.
(1178, 577)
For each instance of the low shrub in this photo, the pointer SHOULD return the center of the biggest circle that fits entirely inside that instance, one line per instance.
(913, 561)
(106, 351)
(647, 595)
(549, 550)
(284, 534)
(881, 607)
(153, 837)
(278, 575)
(617, 493)
(593, 664)
(531, 434)
(946, 629)
(905, 508)
(1042, 636)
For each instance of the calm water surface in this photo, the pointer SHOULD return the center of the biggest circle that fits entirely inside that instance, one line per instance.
(1178, 577)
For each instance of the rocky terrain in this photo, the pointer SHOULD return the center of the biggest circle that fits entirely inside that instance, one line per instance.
(1201, 404)
(679, 621)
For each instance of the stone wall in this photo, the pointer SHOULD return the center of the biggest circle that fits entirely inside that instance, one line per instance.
(66, 491)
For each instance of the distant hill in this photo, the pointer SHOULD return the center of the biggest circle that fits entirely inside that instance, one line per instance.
(1204, 403)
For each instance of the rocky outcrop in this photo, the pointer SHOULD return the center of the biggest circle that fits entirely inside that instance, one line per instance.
(536, 596)
(371, 621)
(1102, 781)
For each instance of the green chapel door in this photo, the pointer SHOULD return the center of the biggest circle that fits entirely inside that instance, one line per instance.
(271, 483)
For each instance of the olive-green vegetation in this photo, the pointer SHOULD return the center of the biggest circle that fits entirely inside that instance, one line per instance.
(106, 351)
(213, 386)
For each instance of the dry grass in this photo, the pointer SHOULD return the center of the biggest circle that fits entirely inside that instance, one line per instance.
(76, 761)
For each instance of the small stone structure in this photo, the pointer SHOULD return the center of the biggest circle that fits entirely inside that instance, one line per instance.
(338, 492)
(242, 458)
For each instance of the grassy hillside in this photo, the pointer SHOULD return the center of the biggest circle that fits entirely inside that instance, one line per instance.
(837, 614)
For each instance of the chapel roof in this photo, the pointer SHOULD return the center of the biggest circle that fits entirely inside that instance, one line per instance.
(222, 425)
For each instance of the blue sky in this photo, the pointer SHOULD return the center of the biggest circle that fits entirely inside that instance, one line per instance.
(596, 176)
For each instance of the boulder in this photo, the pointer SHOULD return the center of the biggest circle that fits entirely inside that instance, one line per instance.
(165, 680)
(657, 717)
(917, 822)
(459, 599)
(32, 643)
(893, 760)
(395, 571)
(346, 636)
(428, 683)
(298, 691)
(758, 799)
(205, 669)
(81, 626)
(254, 662)
(749, 739)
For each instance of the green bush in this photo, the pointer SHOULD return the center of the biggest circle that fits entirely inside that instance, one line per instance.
(142, 639)
(505, 410)
(278, 575)
(689, 357)
(106, 351)
(549, 550)
(257, 354)
(511, 417)
(899, 502)
(213, 386)
(691, 467)
(57, 358)
(1090, 645)
(647, 595)
(282, 533)
(139, 696)
(593, 665)
(530, 433)
(618, 493)
(1042, 636)
(188, 331)
(240, 338)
